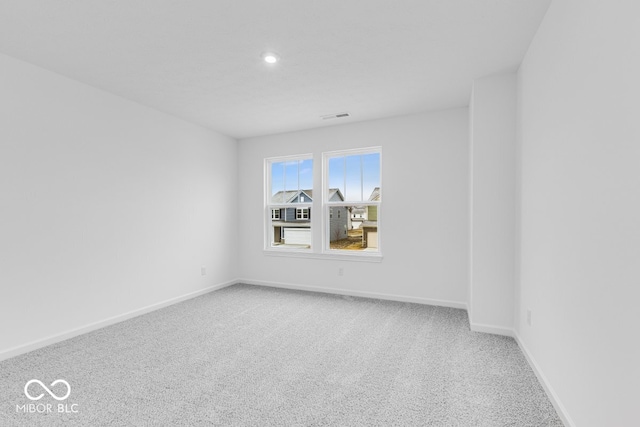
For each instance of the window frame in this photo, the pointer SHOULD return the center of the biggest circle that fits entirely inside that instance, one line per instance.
(328, 205)
(268, 206)
(320, 221)
(302, 213)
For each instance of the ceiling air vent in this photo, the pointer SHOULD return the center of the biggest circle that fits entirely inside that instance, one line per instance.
(334, 116)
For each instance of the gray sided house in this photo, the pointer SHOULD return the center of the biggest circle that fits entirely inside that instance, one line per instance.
(338, 217)
(292, 225)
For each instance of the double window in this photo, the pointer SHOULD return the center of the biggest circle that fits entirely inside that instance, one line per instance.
(349, 202)
(302, 213)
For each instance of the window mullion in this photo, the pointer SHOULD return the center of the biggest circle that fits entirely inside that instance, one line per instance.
(361, 179)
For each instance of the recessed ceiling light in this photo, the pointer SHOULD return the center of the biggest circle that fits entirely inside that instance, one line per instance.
(270, 58)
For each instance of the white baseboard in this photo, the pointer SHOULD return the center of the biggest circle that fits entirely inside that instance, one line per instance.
(34, 345)
(490, 329)
(376, 295)
(553, 397)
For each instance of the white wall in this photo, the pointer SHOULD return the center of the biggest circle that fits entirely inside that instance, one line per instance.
(493, 200)
(106, 206)
(425, 208)
(580, 208)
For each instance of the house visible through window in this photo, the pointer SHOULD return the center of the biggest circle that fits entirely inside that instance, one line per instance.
(289, 199)
(353, 183)
(351, 203)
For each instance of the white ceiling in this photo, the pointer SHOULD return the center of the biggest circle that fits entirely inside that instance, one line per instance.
(201, 59)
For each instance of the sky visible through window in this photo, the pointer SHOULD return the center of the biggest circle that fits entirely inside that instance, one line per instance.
(355, 176)
(291, 176)
(355, 173)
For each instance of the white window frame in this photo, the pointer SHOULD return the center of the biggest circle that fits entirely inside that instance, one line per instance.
(302, 213)
(327, 205)
(275, 213)
(269, 205)
(322, 208)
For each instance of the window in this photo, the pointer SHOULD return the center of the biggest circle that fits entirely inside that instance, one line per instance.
(349, 203)
(352, 183)
(288, 197)
(302, 213)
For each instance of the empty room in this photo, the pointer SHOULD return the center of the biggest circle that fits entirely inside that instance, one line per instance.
(337, 213)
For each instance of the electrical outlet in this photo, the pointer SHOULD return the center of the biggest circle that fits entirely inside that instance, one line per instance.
(529, 317)
(203, 271)
(340, 271)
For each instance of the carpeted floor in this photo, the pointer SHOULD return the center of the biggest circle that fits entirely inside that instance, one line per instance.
(254, 356)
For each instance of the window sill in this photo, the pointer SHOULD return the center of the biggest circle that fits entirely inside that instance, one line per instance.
(337, 255)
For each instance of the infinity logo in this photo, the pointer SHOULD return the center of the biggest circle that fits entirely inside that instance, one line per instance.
(38, 397)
